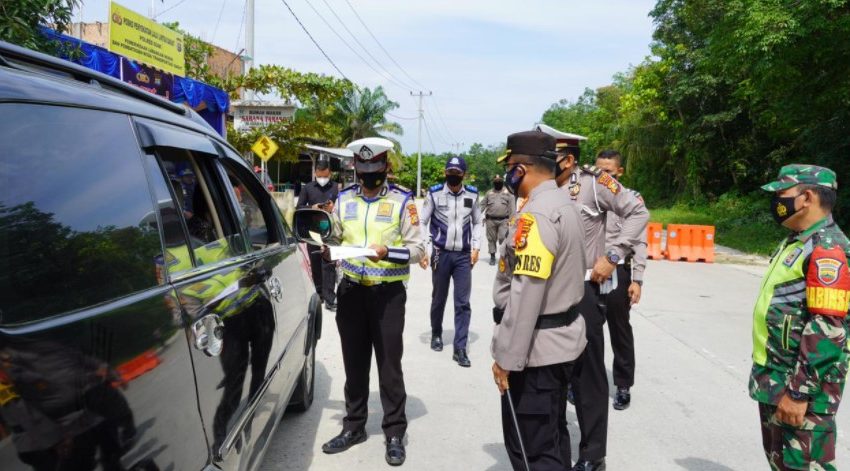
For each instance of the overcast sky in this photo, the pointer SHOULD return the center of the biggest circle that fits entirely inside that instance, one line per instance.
(494, 66)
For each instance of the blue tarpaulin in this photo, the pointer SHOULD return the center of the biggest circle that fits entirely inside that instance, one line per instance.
(183, 89)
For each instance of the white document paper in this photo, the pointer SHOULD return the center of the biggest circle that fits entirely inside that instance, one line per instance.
(341, 252)
(316, 238)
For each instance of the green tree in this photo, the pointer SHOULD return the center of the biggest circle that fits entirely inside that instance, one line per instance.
(20, 21)
(197, 54)
(363, 113)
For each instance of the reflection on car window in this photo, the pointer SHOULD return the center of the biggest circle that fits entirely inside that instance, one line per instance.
(250, 212)
(74, 211)
(212, 237)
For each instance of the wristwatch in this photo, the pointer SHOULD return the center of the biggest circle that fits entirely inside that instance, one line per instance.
(798, 396)
(613, 257)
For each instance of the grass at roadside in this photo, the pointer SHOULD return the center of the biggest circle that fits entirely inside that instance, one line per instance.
(742, 222)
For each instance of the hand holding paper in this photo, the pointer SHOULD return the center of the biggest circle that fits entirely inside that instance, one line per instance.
(340, 252)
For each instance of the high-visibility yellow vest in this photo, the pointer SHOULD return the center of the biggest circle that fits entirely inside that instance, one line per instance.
(367, 221)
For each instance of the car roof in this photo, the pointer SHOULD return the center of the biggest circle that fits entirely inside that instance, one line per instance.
(31, 77)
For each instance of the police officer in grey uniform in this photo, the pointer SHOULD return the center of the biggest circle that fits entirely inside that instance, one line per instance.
(540, 281)
(596, 193)
(620, 300)
(498, 206)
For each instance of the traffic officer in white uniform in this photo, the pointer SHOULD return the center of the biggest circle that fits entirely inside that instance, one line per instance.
(372, 294)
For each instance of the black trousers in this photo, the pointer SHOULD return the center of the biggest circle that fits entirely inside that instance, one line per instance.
(590, 382)
(618, 314)
(324, 276)
(540, 400)
(372, 317)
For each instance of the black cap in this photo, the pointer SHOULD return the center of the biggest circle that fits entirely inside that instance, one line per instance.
(534, 143)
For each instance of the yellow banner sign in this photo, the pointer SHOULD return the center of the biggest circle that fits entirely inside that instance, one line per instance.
(144, 40)
(265, 148)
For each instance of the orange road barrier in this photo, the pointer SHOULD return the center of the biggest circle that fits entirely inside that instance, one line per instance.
(654, 233)
(690, 243)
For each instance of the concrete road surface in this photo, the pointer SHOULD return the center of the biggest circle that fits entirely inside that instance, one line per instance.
(690, 409)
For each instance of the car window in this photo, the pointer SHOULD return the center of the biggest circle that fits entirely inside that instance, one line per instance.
(213, 230)
(253, 207)
(75, 211)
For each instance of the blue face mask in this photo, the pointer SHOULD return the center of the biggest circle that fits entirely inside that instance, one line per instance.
(513, 180)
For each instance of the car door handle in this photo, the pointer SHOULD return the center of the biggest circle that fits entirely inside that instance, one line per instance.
(209, 335)
(275, 289)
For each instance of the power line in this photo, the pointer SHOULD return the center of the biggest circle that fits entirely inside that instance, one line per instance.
(345, 26)
(334, 31)
(382, 47)
(437, 131)
(314, 40)
(402, 117)
(428, 133)
(241, 24)
(169, 9)
(218, 21)
(440, 116)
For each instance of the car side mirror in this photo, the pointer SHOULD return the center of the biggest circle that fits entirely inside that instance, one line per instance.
(308, 220)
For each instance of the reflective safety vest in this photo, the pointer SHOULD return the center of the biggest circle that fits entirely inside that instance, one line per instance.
(367, 221)
(784, 287)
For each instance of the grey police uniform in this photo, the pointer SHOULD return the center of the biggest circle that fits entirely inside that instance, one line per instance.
(618, 303)
(596, 193)
(498, 207)
(539, 333)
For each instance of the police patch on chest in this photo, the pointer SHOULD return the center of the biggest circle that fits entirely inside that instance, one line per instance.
(792, 257)
(385, 212)
(575, 189)
(350, 211)
(828, 270)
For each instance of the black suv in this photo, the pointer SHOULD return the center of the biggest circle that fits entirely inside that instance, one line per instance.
(156, 312)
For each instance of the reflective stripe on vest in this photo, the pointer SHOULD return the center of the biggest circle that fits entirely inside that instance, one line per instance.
(784, 283)
(372, 222)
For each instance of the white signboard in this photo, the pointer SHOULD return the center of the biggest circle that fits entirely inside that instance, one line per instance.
(252, 115)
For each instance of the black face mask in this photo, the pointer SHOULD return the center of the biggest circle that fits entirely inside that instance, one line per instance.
(514, 179)
(782, 208)
(454, 180)
(498, 186)
(370, 181)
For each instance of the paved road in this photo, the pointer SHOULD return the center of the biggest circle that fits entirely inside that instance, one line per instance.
(690, 407)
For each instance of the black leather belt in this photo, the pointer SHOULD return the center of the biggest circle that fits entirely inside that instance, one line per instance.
(545, 321)
(497, 218)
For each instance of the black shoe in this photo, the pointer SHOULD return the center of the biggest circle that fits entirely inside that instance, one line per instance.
(436, 343)
(585, 465)
(492, 260)
(330, 306)
(344, 441)
(571, 396)
(461, 358)
(395, 451)
(622, 399)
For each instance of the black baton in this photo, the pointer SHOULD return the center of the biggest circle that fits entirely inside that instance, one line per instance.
(518, 434)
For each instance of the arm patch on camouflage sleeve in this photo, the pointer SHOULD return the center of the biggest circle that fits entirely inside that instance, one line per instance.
(532, 256)
(828, 282)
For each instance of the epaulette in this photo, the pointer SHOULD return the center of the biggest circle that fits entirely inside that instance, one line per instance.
(400, 189)
(352, 187)
(471, 188)
(591, 169)
(437, 187)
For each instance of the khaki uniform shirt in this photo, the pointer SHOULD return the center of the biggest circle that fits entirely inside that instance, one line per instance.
(498, 204)
(614, 226)
(541, 271)
(595, 192)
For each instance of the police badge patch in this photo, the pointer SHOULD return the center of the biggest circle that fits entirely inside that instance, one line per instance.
(575, 189)
(350, 211)
(523, 227)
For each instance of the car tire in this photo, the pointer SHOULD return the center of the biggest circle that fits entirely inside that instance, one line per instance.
(302, 398)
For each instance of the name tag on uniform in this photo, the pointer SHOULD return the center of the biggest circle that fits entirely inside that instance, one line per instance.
(442, 201)
(467, 202)
(350, 210)
(385, 212)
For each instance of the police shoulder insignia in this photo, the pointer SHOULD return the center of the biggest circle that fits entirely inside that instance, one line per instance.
(437, 187)
(414, 215)
(532, 257)
(401, 188)
(792, 257)
(609, 182)
(828, 282)
(471, 188)
(591, 169)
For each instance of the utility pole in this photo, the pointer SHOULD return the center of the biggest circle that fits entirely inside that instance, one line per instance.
(419, 139)
(457, 146)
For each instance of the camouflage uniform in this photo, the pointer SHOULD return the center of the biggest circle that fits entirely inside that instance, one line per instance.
(800, 334)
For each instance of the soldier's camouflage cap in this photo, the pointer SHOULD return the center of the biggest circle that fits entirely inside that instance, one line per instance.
(797, 174)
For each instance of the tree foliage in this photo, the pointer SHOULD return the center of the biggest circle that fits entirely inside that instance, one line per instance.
(20, 21)
(732, 91)
(480, 161)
